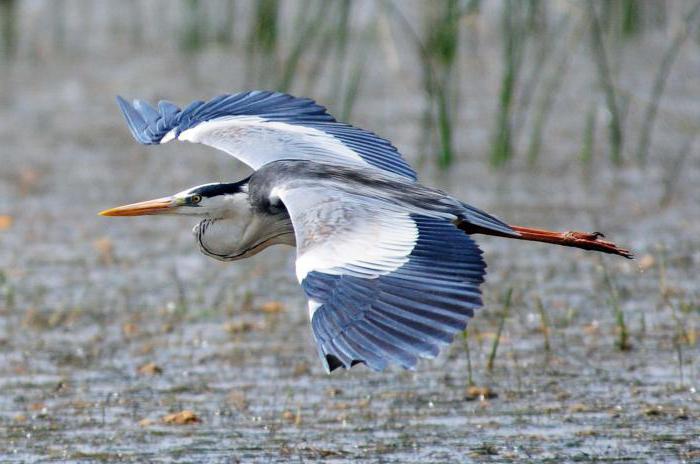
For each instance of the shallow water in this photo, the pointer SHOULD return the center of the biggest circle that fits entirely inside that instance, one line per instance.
(85, 301)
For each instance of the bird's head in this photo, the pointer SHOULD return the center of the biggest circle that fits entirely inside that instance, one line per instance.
(212, 201)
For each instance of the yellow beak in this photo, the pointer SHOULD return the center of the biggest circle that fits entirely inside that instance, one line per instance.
(158, 206)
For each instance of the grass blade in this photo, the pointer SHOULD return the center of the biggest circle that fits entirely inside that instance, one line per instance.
(497, 339)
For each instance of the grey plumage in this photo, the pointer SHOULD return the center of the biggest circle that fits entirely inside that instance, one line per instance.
(388, 273)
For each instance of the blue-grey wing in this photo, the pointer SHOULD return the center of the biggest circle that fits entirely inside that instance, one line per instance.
(259, 127)
(385, 283)
(404, 314)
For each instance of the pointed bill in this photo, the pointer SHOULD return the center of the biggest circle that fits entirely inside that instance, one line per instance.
(157, 206)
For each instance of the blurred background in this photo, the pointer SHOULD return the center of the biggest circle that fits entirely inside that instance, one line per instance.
(548, 113)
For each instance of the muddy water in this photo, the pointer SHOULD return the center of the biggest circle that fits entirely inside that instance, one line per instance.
(87, 303)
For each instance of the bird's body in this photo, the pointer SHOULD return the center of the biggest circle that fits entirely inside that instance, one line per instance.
(388, 265)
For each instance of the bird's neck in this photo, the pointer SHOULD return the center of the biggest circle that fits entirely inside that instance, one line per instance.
(230, 239)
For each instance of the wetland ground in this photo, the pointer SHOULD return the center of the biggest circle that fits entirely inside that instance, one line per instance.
(108, 325)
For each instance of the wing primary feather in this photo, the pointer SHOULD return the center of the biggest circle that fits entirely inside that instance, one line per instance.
(403, 340)
(353, 338)
(424, 345)
(411, 323)
(148, 113)
(134, 120)
(395, 352)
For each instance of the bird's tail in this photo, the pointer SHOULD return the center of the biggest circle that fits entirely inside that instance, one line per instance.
(585, 240)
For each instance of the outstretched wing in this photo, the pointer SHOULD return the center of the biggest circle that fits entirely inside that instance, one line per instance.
(385, 283)
(260, 127)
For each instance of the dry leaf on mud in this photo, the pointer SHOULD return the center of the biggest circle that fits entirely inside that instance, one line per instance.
(238, 327)
(130, 329)
(105, 250)
(480, 393)
(182, 418)
(150, 368)
(5, 221)
(272, 307)
(646, 262)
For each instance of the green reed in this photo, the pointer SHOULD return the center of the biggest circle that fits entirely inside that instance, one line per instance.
(437, 51)
(439, 62)
(623, 335)
(262, 43)
(352, 84)
(327, 49)
(8, 28)
(224, 26)
(615, 131)
(514, 33)
(263, 34)
(341, 36)
(588, 141)
(308, 28)
(194, 26)
(660, 79)
(551, 84)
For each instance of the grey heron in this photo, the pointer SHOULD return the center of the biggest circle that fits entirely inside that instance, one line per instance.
(389, 266)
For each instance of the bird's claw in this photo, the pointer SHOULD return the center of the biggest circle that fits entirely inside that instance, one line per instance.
(592, 241)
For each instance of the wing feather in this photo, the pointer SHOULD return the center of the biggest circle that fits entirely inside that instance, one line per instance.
(260, 127)
(386, 284)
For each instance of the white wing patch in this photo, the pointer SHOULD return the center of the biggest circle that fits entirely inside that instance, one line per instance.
(168, 137)
(363, 246)
(313, 306)
(257, 141)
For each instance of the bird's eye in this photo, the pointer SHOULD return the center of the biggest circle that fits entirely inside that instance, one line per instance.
(194, 199)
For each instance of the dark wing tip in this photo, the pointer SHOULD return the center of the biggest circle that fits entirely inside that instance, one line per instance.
(333, 363)
(137, 124)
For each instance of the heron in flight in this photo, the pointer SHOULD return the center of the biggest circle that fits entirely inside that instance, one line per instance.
(389, 266)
